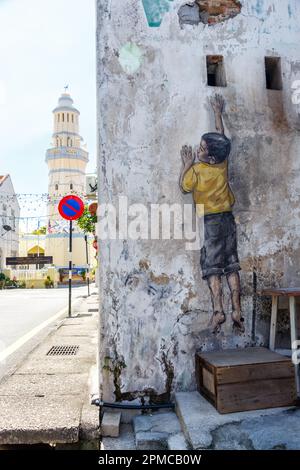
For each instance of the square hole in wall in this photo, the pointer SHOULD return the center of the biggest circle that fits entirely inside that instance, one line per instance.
(273, 73)
(215, 71)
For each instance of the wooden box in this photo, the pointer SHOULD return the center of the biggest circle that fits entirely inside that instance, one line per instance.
(246, 379)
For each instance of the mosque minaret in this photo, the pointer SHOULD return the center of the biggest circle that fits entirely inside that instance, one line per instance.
(67, 160)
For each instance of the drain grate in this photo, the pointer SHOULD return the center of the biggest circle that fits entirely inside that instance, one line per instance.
(63, 351)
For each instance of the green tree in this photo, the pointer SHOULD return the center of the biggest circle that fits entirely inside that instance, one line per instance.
(87, 222)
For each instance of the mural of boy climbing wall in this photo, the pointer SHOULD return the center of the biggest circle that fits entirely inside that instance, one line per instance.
(205, 174)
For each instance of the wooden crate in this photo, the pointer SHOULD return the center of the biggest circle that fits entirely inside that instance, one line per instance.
(246, 379)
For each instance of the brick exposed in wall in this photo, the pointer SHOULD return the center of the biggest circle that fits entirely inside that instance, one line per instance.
(208, 11)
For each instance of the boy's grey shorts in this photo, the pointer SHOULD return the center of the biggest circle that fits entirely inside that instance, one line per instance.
(219, 253)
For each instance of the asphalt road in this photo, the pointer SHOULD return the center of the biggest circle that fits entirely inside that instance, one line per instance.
(23, 310)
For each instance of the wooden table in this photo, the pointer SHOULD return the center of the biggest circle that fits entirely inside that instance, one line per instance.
(291, 294)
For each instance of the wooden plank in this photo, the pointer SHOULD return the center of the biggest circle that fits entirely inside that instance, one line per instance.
(292, 291)
(209, 396)
(235, 357)
(208, 381)
(284, 352)
(203, 363)
(294, 342)
(256, 395)
(236, 374)
(273, 326)
(198, 372)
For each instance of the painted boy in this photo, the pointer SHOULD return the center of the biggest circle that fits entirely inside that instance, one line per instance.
(206, 176)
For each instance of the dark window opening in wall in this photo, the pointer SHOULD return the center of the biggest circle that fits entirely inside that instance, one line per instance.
(215, 71)
(56, 187)
(71, 186)
(273, 73)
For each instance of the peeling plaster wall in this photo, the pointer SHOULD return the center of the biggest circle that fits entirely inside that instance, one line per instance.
(152, 99)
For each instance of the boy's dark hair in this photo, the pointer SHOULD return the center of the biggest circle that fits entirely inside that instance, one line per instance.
(218, 145)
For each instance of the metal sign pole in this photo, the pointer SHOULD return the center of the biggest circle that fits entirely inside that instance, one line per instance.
(70, 268)
(70, 208)
(87, 263)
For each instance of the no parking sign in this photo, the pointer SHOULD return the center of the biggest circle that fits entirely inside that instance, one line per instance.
(71, 207)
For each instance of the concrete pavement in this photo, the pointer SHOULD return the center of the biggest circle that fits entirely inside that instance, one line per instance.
(24, 309)
(47, 399)
(27, 317)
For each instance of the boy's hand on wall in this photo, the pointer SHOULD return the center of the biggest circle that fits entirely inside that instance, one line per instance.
(187, 155)
(218, 103)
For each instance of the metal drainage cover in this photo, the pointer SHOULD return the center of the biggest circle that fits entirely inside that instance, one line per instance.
(63, 351)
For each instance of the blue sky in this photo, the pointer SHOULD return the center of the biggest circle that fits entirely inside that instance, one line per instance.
(44, 45)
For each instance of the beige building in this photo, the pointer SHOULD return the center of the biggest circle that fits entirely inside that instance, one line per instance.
(67, 160)
(32, 245)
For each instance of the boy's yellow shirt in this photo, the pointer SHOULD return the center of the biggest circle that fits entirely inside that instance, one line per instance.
(210, 187)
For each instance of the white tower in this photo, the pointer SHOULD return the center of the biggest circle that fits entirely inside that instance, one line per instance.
(67, 162)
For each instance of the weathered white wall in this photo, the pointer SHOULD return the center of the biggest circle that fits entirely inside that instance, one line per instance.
(9, 215)
(154, 305)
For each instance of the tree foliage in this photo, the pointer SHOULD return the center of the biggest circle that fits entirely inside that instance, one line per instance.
(87, 222)
(40, 231)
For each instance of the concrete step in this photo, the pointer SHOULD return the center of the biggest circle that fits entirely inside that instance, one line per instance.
(177, 442)
(125, 441)
(204, 428)
(110, 425)
(152, 432)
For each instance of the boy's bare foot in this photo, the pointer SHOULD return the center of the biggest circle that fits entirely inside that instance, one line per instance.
(238, 322)
(216, 321)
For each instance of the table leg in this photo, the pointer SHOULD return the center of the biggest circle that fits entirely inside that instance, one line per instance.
(294, 342)
(273, 322)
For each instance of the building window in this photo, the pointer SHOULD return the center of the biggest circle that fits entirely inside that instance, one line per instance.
(56, 187)
(58, 117)
(273, 73)
(57, 142)
(61, 142)
(71, 186)
(68, 117)
(215, 71)
(63, 117)
(73, 118)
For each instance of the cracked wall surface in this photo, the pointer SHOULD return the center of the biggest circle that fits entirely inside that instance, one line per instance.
(152, 99)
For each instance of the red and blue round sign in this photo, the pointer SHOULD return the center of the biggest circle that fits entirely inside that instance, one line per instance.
(71, 207)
